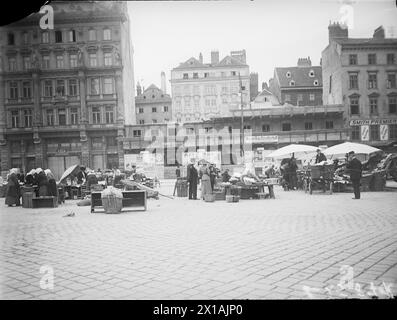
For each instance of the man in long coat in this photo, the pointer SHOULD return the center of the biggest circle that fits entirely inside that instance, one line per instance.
(192, 178)
(355, 167)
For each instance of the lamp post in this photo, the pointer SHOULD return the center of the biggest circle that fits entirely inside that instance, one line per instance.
(242, 117)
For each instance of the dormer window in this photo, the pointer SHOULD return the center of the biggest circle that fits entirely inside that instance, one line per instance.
(288, 74)
(315, 82)
(311, 74)
(292, 83)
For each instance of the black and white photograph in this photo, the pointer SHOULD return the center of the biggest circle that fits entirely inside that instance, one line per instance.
(198, 150)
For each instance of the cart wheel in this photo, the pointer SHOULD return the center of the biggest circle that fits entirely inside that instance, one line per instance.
(310, 188)
(331, 186)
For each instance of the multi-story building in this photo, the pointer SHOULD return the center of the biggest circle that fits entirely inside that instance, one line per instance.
(204, 90)
(300, 85)
(360, 74)
(152, 105)
(65, 93)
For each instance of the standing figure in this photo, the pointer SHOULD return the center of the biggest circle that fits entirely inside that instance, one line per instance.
(355, 167)
(42, 182)
(226, 176)
(213, 175)
(13, 192)
(52, 185)
(320, 157)
(292, 173)
(205, 176)
(192, 178)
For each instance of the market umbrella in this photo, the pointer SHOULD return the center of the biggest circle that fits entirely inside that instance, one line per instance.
(70, 171)
(346, 147)
(296, 149)
(203, 161)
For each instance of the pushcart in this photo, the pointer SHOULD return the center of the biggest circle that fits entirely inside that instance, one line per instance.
(319, 178)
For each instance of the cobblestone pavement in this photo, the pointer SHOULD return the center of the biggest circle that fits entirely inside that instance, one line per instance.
(287, 248)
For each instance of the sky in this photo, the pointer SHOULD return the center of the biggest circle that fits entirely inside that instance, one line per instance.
(274, 33)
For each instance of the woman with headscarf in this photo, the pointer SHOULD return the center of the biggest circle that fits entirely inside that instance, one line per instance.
(42, 182)
(29, 178)
(52, 185)
(205, 180)
(13, 192)
(91, 179)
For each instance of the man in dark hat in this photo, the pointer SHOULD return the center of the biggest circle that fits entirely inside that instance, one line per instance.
(320, 157)
(192, 178)
(354, 167)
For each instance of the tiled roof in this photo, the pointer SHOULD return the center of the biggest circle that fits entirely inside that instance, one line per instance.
(300, 75)
(367, 41)
(194, 63)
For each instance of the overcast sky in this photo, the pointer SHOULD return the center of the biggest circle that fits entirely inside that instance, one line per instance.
(274, 33)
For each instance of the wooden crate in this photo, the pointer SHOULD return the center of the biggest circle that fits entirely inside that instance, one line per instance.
(45, 202)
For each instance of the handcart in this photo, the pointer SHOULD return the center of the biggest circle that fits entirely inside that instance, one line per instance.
(319, 177)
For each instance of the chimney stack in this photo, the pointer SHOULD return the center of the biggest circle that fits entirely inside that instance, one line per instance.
(201, 57)
(239, 55)
(214, 57)
(138, 89)
(304, 62)
(163, 83)
(337, 31)
(379, 33)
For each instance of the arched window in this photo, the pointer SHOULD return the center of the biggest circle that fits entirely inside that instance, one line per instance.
(315, 82)
(311, 73)
(292, 83)
(288, 74)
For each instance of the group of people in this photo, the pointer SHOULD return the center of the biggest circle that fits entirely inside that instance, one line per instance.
(43, 180)
(207, 173)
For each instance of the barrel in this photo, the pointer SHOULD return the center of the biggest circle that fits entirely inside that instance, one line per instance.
(27, 199)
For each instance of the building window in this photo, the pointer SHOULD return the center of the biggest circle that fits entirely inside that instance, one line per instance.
(58, 36)
(140, 110)
(72, 36)
(265, 128)
(206, 74)
(288, 74)
(26, 89)
(352, 59)
(62, 117)
(45, 37)
(165, 109)
(25, 38)
(48, 88)
(107, 85)
(390, 58)
(60, 61)
(311, 96)
(107, 34)
(107, 58)
(391, 80)
(353, 81)
(73, 60)
(374, 132)
(92, 60)
(373, 106)
(45, 62)
(286, 127)
(10, 39)
(94, 86)
(393, 131)
(185, 76)
(137, 133)
(315, 82)
(308, 126)
(154, 109)
(300, 97)
(14, 118)
(27, 115)
(50, 117)
(234, 73)
(12, 64)
(292, 83)
(393, 104)
(354, 106)
(73, 116)
(13, 90)
(355, 133)
(92, 35)
(154, 121)
(141, 121)
(26, 63)
(329, 124)
(96, 115)
(372, 81)
(60, 88)
(287, 97)
(72, 87)
(330, 83)
(195, 75)
(109, 114)
(372, 58)
(311, 74)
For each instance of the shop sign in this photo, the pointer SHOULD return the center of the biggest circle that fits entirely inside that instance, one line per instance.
(261, 139)
(364, 133)
(372, 122)
(384, 132)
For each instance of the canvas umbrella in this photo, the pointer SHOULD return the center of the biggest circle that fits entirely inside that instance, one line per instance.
(202, 161)
(296, 149)
(346, 147)
(73, 170)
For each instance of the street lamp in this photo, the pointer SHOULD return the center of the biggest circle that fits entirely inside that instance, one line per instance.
(242, 117)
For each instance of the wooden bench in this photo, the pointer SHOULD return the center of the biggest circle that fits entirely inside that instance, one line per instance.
(134, 199)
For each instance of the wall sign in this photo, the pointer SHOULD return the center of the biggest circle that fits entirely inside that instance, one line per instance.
(384, 132)
(364, 133)
(372, 122)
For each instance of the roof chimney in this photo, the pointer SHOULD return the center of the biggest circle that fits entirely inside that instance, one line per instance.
(304, 62)
(138, 89)
(214, 57)
(379, 33)
(337, 31)
(201, 57)
(239, 55)
(163, 85)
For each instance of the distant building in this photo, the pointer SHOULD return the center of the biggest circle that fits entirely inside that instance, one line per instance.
(65, 94)
(265, 99)
(203, 90)
(254, 89)
(152, 105)
(300, 85)
(360, 74)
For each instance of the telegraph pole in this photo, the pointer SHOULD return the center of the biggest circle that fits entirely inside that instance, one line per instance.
(242, 118)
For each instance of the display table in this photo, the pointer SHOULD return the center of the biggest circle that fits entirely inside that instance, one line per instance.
(134, 199)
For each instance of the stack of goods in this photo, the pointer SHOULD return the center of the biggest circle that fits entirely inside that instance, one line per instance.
(112, 200)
